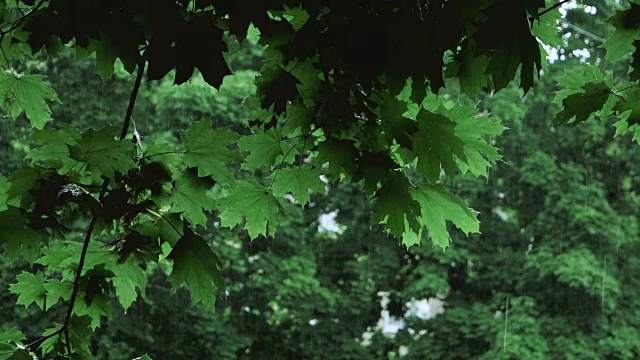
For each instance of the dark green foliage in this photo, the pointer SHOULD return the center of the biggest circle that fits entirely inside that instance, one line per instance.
(349, 94)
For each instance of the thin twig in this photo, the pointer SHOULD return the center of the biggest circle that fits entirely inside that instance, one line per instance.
(18, 22)
(551, 8)
(132, 101)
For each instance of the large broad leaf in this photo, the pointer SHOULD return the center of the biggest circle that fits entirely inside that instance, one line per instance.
(394, 206)
(580, 106)
(190, 197)
(54, 149)
(196, 266)
(16, 234)
(265, 148)
(479, 154)
(27, 93)
(437, 206)
(30, 289)
(250, 201)
(207, 150)
(126, 278)
(298, 181)
(102, 152)
(627, 30)
(436, 145)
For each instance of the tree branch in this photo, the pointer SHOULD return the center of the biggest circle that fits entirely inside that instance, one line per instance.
(87, 238)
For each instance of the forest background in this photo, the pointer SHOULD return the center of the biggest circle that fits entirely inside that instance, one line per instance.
(553, 273)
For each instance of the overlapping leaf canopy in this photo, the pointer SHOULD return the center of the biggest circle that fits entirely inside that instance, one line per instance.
(374, 92)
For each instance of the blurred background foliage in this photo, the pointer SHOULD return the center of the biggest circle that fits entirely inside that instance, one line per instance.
(552, 276)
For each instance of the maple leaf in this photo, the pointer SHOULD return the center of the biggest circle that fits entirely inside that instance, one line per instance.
(629, 110)
(55, 145)
(393, 205)
(264, 148)
(479, 154)
(56, 290)
(437, 206)
(339, 154)
(580, 106)
(5, 185)
(190, 197)
(436, 144)
(29, 288)
(298, 180)
(17, 234)
(27, 93)
(207, 150)
(627, 30)
(126, 277)
(10, 345)
(249, 200)
(101, 151)
(196, 266)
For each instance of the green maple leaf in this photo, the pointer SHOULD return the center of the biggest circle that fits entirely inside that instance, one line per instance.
(196, 266)
(27, 93)
(627, 30)
(126, 278)
(580, 106)
(437, 206)
(207, 150)
(479, 154)
(190, 197)
(11, 344)
(251, 201)
(56, 290)
(393, 205)
(17, 234)
(629, 110)
(436, 145)
(54, 143)
(100, 307)
(340, 155)
(101, 151)
(264, 147)
(298, 180)
(5, 185)
(30, 289)
(547, 29)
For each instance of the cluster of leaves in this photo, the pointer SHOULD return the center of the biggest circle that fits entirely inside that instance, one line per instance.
(332, 101)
